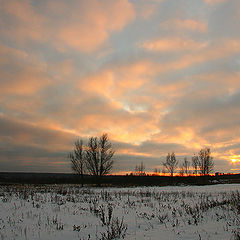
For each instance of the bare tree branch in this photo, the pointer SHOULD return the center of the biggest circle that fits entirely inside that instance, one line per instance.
(77, 159)
(170, 163)
(99, 154)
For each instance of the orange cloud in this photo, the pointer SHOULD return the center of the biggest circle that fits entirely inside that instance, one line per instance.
(187, 24)
(118, 83)
(81, 38)
(87, 31)
(136, 129)
(214, 1)
(182, 135)
(193, 52)
(210, 52)
(118, 80)
(86, 25)
(27, 81)
(145, 9)
(173, 89)
(25, 22)
(13, 52)
(27, 75)
(173, 44)
(100, 83)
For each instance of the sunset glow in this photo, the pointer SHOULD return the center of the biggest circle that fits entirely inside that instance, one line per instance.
(157, 76)
(235, 158)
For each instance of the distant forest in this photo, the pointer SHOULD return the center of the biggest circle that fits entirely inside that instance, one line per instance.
(96, 159)
(114, 180)
(92, 165)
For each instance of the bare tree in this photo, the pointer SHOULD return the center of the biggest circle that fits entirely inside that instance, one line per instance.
(186, 166)
(170, 163)
(140, 169)
(77, 159)
(99, 155)
(195, 164)
(206, 164)
(181, 170)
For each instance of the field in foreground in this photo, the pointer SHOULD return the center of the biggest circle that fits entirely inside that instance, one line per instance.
(69, 212)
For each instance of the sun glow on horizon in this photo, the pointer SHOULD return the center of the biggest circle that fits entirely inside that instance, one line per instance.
(235, 158)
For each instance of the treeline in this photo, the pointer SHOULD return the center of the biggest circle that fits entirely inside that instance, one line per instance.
(96, 158)
(200, 164)
(114, 180)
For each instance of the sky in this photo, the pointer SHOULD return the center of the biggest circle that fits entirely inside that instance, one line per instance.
(158, 76)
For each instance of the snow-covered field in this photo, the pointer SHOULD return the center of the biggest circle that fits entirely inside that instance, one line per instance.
(165, 213)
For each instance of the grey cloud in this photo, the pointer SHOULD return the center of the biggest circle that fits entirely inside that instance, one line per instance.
(24, 147)
(234, 147)
(23, 133)
(160, 148)
(128, 162)
(204, 114)
(224, 20)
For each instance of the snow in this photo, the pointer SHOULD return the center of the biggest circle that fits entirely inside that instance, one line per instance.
(71, 212)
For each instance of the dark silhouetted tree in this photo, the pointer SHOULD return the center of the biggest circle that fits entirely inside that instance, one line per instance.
(205, 160)
(195, 164)
(170, 163)
(186, 166)
(181, 170)
(140, 169)
(99, 154)
(77, 159)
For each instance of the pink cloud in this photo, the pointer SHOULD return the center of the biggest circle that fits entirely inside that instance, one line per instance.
(145, 9)
(86, 25)
(27, 75)
(214, 1)
(116, 81)
(88, 30)
(27, 81)
(11, 52)
(209, 52)
(25, 23)
(173, 44)
(187, 24)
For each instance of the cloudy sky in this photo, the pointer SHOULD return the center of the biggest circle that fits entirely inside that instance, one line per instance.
(156, 75)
